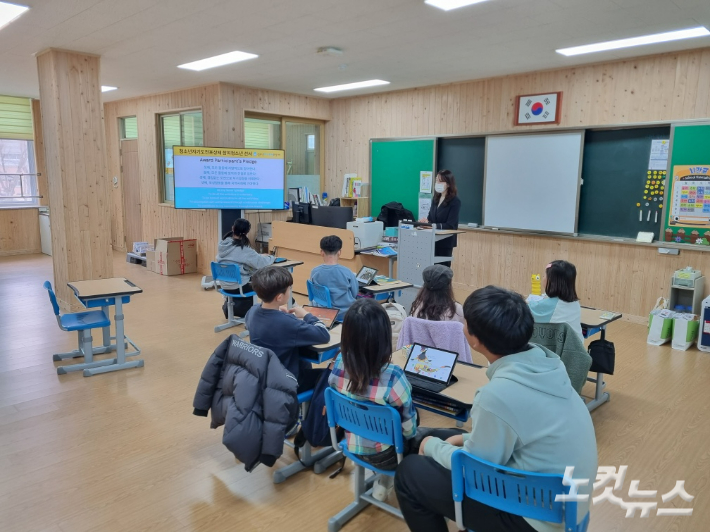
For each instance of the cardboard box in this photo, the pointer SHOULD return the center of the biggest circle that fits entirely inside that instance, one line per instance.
(175, 256)
(150, 260)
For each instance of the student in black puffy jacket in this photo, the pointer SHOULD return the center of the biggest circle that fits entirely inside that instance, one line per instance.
(251, 393)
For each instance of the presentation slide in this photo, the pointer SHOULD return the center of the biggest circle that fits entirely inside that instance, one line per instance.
(226, 178)
(430, 362)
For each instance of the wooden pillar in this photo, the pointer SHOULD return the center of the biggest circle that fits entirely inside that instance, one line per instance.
(75, 159)
(40, 166)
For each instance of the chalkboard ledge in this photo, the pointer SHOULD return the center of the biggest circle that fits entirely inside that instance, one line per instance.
(590, 238)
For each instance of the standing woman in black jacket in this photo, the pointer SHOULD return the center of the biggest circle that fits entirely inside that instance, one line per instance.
(444, 212)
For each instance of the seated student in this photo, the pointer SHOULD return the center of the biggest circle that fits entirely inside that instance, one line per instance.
(364, 371)
(338, 279)
(435, 301)
(527, 417)
(272, 326)
(236, 249)
(561, 304)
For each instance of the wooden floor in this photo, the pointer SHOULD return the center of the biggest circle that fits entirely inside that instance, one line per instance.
(123, 452)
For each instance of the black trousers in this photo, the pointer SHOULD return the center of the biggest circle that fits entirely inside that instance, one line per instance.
(240, 306)
(423, 488)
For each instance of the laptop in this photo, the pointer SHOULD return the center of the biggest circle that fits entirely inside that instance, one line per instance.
(325, 314)
(366, 276)
(430, 368)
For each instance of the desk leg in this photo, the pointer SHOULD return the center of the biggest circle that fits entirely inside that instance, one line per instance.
(120, 361)
(391, 267)
(289, 303)
(107, 331)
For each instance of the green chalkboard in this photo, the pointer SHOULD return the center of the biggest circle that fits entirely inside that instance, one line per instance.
(614, 173)
(394, 171)
(687, 214)
(465, 157)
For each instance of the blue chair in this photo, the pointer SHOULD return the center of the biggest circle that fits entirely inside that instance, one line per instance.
(229, 273)
(318, 295)
(82, 322)
(377, 423)
(319, 461)
(521, 493)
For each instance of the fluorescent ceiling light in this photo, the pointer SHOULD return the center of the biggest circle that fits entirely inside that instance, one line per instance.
(107, 88)
(351, 86)
(448, 5)
(9, 12)
(636, 41)
(218, 60)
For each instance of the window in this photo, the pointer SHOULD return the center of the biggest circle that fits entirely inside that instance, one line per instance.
(179, 129)
(262, 134)
(311, 143)
(128, 127)
(18, 180)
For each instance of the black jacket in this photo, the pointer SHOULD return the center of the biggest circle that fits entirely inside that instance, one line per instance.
(253, 396)
(446, 216)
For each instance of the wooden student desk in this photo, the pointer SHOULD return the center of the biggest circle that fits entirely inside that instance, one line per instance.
(593, 323)
(470, 379)
(104, 293)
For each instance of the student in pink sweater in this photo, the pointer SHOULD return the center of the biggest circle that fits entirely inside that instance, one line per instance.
(435, 301)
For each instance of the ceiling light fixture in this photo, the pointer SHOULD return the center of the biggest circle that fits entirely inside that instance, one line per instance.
(351, 86)
(218, 60)
(448, 5)
(636, 41)
(9, 12)
(107, 88)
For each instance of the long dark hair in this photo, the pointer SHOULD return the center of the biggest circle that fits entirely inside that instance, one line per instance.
(451, 191)
(240, 230)
(561, 279)
(434, 304)
(366, 343)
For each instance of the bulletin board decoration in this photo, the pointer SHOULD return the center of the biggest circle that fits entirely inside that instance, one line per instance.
(689, 205)
(686, 217)
(650, 204)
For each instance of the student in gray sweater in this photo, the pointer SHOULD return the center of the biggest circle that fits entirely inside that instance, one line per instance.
(236, 249)
(339, 280)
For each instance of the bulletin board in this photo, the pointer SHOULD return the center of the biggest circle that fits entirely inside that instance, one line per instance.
(687, 218)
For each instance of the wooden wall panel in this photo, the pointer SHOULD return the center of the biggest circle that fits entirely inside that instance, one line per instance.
(223, 106)
(20, 232)
(666, 87)
(623, 278)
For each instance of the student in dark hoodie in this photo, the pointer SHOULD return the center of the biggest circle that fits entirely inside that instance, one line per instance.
(236, 249)
(273, 326)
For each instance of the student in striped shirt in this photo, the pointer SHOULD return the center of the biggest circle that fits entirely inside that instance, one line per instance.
(364, 371)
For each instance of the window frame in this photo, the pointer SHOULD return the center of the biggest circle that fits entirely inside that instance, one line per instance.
(284, 118)
(122, 128)
(34, 196)
(160, 145)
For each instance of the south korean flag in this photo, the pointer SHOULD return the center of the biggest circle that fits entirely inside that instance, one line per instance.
(538, 109)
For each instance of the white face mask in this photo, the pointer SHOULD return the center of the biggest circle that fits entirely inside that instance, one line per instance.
(440, 187)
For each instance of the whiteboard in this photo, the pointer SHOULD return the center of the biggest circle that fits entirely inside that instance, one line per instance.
(532, 181)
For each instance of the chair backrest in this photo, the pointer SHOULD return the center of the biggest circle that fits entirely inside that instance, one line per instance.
(318, 295)
(377, 423)
(521, 493)
(228, 273)
(447, 335)
(563, 340)
(52, 298)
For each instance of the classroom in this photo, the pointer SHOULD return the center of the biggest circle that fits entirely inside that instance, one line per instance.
(382, 265)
